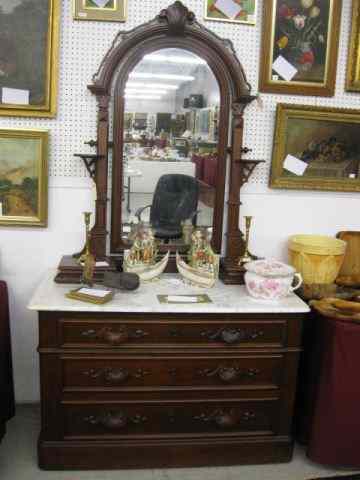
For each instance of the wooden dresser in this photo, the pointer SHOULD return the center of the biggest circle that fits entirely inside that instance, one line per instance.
(136, 383)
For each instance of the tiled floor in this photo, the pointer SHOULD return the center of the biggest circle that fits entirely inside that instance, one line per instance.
(18, 462)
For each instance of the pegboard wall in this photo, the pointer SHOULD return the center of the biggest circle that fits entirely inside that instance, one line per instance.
(83, 45)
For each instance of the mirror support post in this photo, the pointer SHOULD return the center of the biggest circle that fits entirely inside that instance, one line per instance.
(99, 232)
(231, 272)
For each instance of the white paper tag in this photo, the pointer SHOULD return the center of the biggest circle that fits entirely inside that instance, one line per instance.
(94, 292)
(101, 264)
(1, 210)
(228, 8)
(251, 18)
(182, 299)
(101, 3)
(174, 282)
(15, 96)
(82, 14)
(284, 68)
(295, 165)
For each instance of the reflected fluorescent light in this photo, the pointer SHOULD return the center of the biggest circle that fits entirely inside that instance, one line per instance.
(163, 86)
(148, 91)
(143, 97)
(163, 76)
(156, 57)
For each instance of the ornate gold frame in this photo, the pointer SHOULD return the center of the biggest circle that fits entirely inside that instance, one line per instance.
(47, 110)
(353, 69)
(269, 85)
(244, 22)
(116, 14)
(288, 111)
(41, 219)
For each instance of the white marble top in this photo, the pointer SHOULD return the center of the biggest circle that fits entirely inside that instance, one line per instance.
(50, 296)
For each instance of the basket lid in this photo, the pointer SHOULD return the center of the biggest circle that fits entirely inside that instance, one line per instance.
(270, 268)
(317, 244)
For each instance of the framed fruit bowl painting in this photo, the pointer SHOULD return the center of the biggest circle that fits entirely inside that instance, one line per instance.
(300, 47)
(234, 11)
(102, 10)
(23, 177)
(316, 148)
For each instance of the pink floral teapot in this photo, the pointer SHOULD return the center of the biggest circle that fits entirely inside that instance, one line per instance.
(270, 279)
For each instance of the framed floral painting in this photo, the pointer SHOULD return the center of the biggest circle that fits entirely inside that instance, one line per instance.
(353, 71)
(300, 47)
(316, 148)
(23, 177)
(234, 11)
(103, 10)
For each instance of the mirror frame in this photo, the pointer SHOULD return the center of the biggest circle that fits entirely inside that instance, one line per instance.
(174, 27)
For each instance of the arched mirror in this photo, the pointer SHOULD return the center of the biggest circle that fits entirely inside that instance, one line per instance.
(177, 93)
(170, 147)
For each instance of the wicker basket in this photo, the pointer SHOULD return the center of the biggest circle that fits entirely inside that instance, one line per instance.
(318, 258)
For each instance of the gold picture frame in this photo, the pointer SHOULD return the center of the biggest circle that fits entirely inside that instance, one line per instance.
(100, 10)
(23, 177)
(300, 47)
(353, 69)
(316, 148)
(29, 59)
(247, 16)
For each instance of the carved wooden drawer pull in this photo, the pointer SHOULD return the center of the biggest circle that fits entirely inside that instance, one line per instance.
(232, 335)
(114, 337)
(115, 375)
(229, 374)
(224, 419)
(115, 420)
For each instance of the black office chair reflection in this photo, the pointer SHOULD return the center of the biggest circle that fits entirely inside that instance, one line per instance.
(175, 199)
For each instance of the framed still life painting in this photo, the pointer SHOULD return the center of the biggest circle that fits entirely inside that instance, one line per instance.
(29, 42)
(23, 177)
(353, 71)
(103, 10)
(235, 11)
(300, 47)
(316, 148)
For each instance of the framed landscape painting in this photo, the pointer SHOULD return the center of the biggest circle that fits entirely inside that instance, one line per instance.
(353, 71)
(316, 148)
(234, 11)
(300, 47)
(23, 177)
(29, 42)
(103, 10)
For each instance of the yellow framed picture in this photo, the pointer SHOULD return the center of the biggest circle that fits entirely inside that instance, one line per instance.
(300, 44)
(23, 177)
(233, 11)
(29, 44)
(316, 148)
(353, 70)
(101, 10)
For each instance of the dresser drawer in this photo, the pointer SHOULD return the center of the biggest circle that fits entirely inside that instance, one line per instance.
(94, 333)
(132, 419)
(201, 371)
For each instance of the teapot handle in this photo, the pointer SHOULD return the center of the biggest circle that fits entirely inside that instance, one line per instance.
(300, 282)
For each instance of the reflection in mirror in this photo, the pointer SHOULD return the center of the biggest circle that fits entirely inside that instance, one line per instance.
(172, 103)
